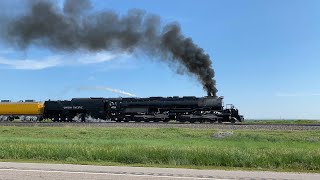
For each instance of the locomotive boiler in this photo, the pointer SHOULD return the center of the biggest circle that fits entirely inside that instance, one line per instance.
(182, 109)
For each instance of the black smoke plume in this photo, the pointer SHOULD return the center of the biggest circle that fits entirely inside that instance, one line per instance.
(74, 27)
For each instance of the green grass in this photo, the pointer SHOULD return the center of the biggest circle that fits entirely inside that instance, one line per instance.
(165, 147)
(296, 121)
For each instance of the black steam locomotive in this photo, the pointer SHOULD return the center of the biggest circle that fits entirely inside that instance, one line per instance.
(182, 109)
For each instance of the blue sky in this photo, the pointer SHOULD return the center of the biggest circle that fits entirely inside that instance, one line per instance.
(265, 54)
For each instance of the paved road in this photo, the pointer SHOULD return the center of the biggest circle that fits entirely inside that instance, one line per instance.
(29, 171)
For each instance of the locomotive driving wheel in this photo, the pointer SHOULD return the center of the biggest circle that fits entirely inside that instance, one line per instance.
(233, 120)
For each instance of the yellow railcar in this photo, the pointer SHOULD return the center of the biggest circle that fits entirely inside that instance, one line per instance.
(21, 108)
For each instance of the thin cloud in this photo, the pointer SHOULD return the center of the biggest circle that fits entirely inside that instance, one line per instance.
(97, 58)
(92, 78)
(297, 94)
(55, 61)
(6, 51)
(30, 64)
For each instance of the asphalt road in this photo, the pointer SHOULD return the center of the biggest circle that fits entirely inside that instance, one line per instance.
(30, 171)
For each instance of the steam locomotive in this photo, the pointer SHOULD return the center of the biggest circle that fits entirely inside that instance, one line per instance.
(181, 109)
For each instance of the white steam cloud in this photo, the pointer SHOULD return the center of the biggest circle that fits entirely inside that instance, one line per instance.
(102, 88)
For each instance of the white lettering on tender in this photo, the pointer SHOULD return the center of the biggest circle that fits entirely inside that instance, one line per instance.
(73, 107)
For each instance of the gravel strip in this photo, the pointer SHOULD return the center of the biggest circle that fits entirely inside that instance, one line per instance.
(171, 125)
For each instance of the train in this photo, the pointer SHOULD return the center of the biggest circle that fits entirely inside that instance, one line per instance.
(152, 109)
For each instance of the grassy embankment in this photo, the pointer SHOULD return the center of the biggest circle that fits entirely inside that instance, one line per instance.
(166, 147)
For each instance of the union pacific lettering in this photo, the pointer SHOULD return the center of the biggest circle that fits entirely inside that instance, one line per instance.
(73, 107)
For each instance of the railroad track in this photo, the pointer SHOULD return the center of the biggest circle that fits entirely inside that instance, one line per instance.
(168, 125)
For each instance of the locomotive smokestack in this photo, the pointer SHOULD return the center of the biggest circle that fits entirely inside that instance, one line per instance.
(74, 27)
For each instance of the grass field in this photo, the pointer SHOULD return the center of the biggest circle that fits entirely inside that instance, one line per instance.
(165, 147)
